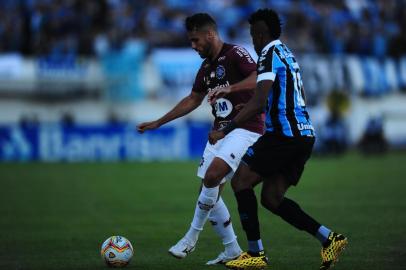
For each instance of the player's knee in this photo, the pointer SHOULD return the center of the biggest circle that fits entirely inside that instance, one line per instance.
(271, 202)
(239, 182)
(212, 179)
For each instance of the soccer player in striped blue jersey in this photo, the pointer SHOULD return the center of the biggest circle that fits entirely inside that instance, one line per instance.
(278, 157)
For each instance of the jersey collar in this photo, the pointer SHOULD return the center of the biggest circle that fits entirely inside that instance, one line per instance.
(272, 43)
(221, 53)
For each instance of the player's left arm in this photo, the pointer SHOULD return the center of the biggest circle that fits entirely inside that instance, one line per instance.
(254, 106)
(246, 84)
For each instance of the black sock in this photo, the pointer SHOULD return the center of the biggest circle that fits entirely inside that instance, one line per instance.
(291, 212)
(248, 210)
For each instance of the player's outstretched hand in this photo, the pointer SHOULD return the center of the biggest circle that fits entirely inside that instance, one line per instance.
(215, 135)
(141, 128)
(218, 93)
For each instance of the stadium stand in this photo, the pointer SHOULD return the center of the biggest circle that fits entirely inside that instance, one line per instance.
(95, 61)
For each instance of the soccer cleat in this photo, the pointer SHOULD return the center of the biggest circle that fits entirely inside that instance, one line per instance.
(224, 257)
(182, 248)
(335, 244)
(247, 261)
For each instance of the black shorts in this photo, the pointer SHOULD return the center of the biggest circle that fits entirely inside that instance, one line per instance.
(275, 154)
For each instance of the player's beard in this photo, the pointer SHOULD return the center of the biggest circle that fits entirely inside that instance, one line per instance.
(205, 53)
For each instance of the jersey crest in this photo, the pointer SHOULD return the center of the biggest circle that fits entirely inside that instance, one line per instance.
(220, 72)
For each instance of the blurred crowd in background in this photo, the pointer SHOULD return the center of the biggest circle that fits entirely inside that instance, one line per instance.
(38, 27)
(75, 64)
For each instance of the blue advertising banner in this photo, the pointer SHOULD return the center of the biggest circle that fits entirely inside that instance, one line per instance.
(56, 142)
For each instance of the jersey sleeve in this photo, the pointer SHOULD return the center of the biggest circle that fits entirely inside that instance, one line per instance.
(199, 85)
(268, 66)
(243, 60)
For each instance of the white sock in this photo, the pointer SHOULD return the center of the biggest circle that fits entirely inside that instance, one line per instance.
(192, 235)
(207, 199)
(221, 221)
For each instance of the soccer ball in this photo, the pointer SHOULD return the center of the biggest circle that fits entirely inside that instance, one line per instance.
(117, 251)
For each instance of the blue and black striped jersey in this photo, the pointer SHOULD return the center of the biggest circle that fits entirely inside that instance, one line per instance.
(286, 112)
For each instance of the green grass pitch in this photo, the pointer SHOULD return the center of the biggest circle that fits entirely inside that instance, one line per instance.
(55, 216)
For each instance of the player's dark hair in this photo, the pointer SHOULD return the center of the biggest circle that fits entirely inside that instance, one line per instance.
(198, 21)
(270, 18)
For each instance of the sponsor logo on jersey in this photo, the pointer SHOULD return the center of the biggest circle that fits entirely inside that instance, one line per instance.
(219, 86)
(220, 72)
(302, 126)
(244, 53)
(286, 54)
(222, 58)
(223, 107)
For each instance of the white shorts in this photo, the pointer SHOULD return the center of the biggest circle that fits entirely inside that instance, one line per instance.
(230, 149)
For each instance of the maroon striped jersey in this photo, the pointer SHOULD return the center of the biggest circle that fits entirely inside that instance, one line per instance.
(233, 64)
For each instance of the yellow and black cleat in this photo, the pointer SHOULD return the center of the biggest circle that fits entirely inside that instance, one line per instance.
(336, 243)
(247, 261)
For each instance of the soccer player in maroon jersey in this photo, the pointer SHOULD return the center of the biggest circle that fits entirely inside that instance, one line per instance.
(228, 76)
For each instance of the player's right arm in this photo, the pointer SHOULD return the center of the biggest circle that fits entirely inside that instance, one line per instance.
(247, 83)
(185, 106)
